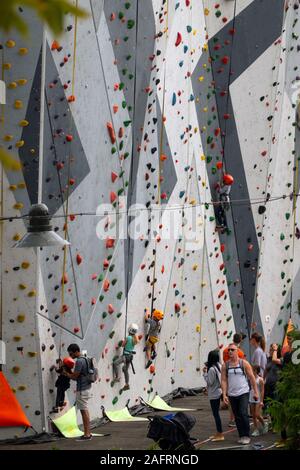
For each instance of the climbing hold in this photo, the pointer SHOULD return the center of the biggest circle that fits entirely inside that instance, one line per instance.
(22, 81)
(111, 132)
(18, 205)
(113, 197)
(106, 285)
(18, 104)
(20, 143)
(177, 308)
(55, 45)
(78, 259)
(65, 279)
(10, 43)
(76, 329)
(114, 176)
(152, 369)
(69, 138)
(16, 369)
(23, 51)
(23, 123)
(25, 265)
(178, 39)
(110, 242)
(110, 309)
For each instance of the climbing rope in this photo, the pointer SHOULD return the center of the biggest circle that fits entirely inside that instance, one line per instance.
(296, 175)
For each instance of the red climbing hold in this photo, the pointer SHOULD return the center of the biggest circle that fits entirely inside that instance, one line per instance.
(111, 132)
(71, 181)
(64, 308)
(225, 59)
(226, 116)
(93, 301)
(217, 131)
(78, 259)
(59, 166)
(115, 108)
(105, 264)
(163, 196)
(163, 157)
(76, 329)
(222, 247)
(152, 369)
(106, 285)
(177, 308)
(113, 197)
(69, 138)
(114, 176)
(178, 39)
(219, 165)
(121, 132)
(71, 99)
(187, 2)
(162, 269)
(218, 306)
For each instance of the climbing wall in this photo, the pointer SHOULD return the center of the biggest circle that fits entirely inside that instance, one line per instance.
(140, 107)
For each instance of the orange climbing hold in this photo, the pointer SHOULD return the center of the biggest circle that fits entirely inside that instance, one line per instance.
(11, 413)
(110, 309)
(163, 157)
(106, 285)
(113, 197)
(114, 176)
(110, 243)
(115, 108)
(111, 132)
(152, 369)
(55, 45)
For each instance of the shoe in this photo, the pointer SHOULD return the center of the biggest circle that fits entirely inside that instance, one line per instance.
(148, 364)
(255, 433)
(245, 440)
(265, 428)
(217, 438)
(85, 438)
(231, 424)
(126, 387)
(153, 355)
(281, 443)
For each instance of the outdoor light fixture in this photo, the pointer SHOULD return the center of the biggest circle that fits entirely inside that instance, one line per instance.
(39, 230)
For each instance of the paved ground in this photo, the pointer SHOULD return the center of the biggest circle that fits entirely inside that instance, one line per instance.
(132, 436)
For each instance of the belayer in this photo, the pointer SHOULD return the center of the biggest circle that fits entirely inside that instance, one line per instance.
(128, 345)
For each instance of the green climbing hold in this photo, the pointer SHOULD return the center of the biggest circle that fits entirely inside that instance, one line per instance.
(127, 5)
(115, 400)
(282, 275)
(114, 281)
(121, 86)
(121, 191)
(209, 139)
(111, 335)
(124, 104)
(101, 297)
(211, 219)
(119, 295)
(113, 150)
(214, 170)
(189, 29)
(111, 268)
(100, 278)
(127, 123)
(208, 159)
(104, 315)
(287, 215)
(130, 24)
(119, 314)
(121, 15)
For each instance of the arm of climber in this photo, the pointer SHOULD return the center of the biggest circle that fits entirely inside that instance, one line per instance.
(262, 391)
(224, 384)
(274, 355)
(250, 375)
(77, 371)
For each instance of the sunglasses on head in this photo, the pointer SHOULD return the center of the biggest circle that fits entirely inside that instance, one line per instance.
(231, 349)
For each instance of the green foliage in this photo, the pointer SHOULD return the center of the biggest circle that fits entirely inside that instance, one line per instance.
(50, 12)
(285, 411)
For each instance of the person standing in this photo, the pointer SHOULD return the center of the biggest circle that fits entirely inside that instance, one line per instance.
(83, 389)
(237, 339)
(235, 387)
(212, 377)
(259, 357)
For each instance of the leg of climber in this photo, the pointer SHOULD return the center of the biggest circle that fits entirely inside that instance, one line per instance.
(60, 397)
(127, 362)
(116, 365)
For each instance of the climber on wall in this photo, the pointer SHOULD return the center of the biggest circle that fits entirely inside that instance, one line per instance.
(128, 344)
(153, 334)
(223, 189)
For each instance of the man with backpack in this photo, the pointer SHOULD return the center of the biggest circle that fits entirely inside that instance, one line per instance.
(235, 376)
(85, 373)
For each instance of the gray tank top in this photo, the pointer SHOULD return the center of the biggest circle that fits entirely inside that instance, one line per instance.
(237, 381)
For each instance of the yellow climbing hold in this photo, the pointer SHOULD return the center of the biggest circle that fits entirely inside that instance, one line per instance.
(190, 357)
(22, 286)
(203, 184)
(181, 370)
(16, 369)
(21, 318)
(21, 185)
(193, 202)
(12, 187)
(203, 284)
(198, 328)
(18, 104)
(20, 143)
(23, 51)
(7, 66)
(195, 266)
(32, 354)
(201, 78)
(23, 123)
(12, 85)
(206, 11)
(16, 237)
(18, 205)
(205, 47)
(32, 293)
(17, 338)
(22, 388)
(205, 109)
(8, 138)
(202, 158)
(10, 43)
(25, 265)
(22, 81)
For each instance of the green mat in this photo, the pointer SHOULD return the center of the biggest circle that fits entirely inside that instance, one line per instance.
(159, 404)
(122, 415)
(67, 424)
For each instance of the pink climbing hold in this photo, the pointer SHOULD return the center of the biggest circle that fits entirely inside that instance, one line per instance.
(121, 132)
(110, 309)
(106, 285)
(93, 301)
(178, 39)
(162, 269)
(111, 132)
(94, 277)
(115, 108)
(105, 264)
